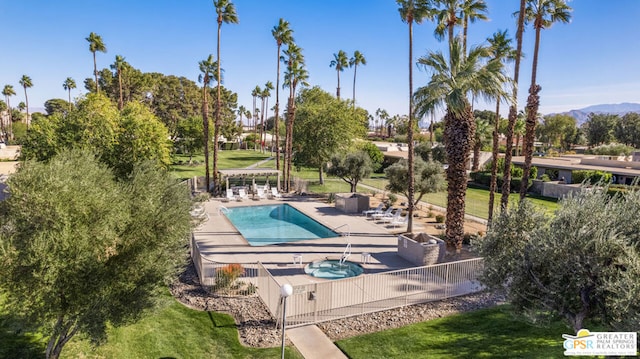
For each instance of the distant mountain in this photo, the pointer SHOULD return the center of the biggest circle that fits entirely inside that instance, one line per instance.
(581, 115)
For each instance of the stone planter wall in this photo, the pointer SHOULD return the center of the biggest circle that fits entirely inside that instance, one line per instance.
(352, 202)
(424, 250)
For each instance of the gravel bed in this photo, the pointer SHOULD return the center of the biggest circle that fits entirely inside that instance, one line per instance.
(256, 328)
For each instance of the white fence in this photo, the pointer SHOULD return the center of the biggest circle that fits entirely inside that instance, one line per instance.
(318, 302)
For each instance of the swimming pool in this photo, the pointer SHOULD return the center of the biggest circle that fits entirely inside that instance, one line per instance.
(273, 224)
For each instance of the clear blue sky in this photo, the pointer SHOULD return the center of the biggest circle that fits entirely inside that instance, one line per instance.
(592, 60)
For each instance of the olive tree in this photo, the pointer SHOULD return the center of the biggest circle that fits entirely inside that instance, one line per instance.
(351, 168)
(429, 178)
(580, 264)
(76, 256)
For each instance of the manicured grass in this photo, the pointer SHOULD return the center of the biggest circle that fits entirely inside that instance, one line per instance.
(477, 199)
(226, 159)
(487, 333)
(171, 331)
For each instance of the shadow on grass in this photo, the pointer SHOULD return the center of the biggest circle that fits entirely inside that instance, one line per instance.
(16, 341)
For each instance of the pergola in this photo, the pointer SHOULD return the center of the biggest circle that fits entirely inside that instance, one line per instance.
(245, 173)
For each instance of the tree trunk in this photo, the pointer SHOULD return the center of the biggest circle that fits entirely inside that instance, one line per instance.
(338, 88)
(513, 112)
(216, 127)
(533, 103)
(95, 72)
(477, 146)
(277, 119)
(120, 101)
(26, 98)
(355, 69)
(494, 164)
(410, 160)
(261, 125)
(458, 138)
(321, 175)
(205, 124)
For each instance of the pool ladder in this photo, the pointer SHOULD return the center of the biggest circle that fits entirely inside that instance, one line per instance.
(223, 209)
(346, 253)
(344, 234)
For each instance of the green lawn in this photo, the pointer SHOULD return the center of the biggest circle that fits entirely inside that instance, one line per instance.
(226, 159)
(477, 200)
(486, 333)
(171, 331)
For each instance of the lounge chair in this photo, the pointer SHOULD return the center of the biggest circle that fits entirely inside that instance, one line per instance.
(242, 194)
(392, 217)
(380, 215)
(378, 209)
(260, 194)
(399, 221)
(275, 193)
(230, 195)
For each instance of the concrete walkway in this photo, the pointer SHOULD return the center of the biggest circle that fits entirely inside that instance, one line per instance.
(312, 343)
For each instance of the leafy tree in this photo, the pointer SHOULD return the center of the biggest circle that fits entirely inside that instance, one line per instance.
(599, 128)
(340, 61)
(527, 256)
(283, 35)
(172, 99)
(481, 138)
(96, 44)
(449, 85)
(351, 168)
(627, 129)
(413, 11)
(226, 13)
(376, 156)
(78, 257)
(190, 136)
(558, 131)
(26, 83)
(429, 178)
(57, 105)
(69, 84)
(423, 150)
(141, 137)
(357, 59)
(324, 125)
(543, 13)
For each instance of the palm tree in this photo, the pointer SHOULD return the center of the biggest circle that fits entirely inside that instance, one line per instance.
(266, 93)
(26, 82)
(447, 18)
(519, 130)
(226, 12)
(413, 11)
(241, 112)
(471, 10)
(118, 65)
(207, 68)
(295, 74)
(95, 45)
(68, 85)
(357, 59)
(513, 111)
(283, 35)
(501, 50)
(8, 91)
(340, 61)
(450, 84)
(543, 13)
(255, 93)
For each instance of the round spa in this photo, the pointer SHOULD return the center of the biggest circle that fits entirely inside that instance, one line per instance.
(333, 269)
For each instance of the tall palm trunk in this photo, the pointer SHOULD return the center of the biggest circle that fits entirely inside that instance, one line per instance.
(533, 103)
(355, 69)
(216, 127)
(458, 140)
(513, 112)
(254, 124)
(95, 72)
(120, 101)
(266, 105)
(494, 164)
(26, 99)
(410, 160)
(338, 88)
(205, 124)
(261, 124)
(69, 99)
(277, 109)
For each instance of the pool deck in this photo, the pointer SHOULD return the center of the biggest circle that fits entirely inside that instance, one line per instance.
(219, 241)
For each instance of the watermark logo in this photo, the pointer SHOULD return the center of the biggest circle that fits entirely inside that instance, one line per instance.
(600, 343)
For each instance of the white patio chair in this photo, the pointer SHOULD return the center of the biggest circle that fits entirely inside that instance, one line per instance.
(378, 209)
(392, 217)
(242, 194)
(380, 215)
(230, 195)
(275, 193)
(399, 221)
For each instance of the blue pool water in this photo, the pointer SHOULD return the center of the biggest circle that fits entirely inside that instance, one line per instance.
(265, 225)
(333, 269)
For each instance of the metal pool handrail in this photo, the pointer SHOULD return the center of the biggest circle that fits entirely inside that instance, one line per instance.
(346, 253)
(224, 209)
(344, 225)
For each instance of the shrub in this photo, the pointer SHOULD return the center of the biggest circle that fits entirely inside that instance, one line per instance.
(545, 178)
(611, 150)
(590, 176)
(228, 274)
(392, 198)
(440, 218)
